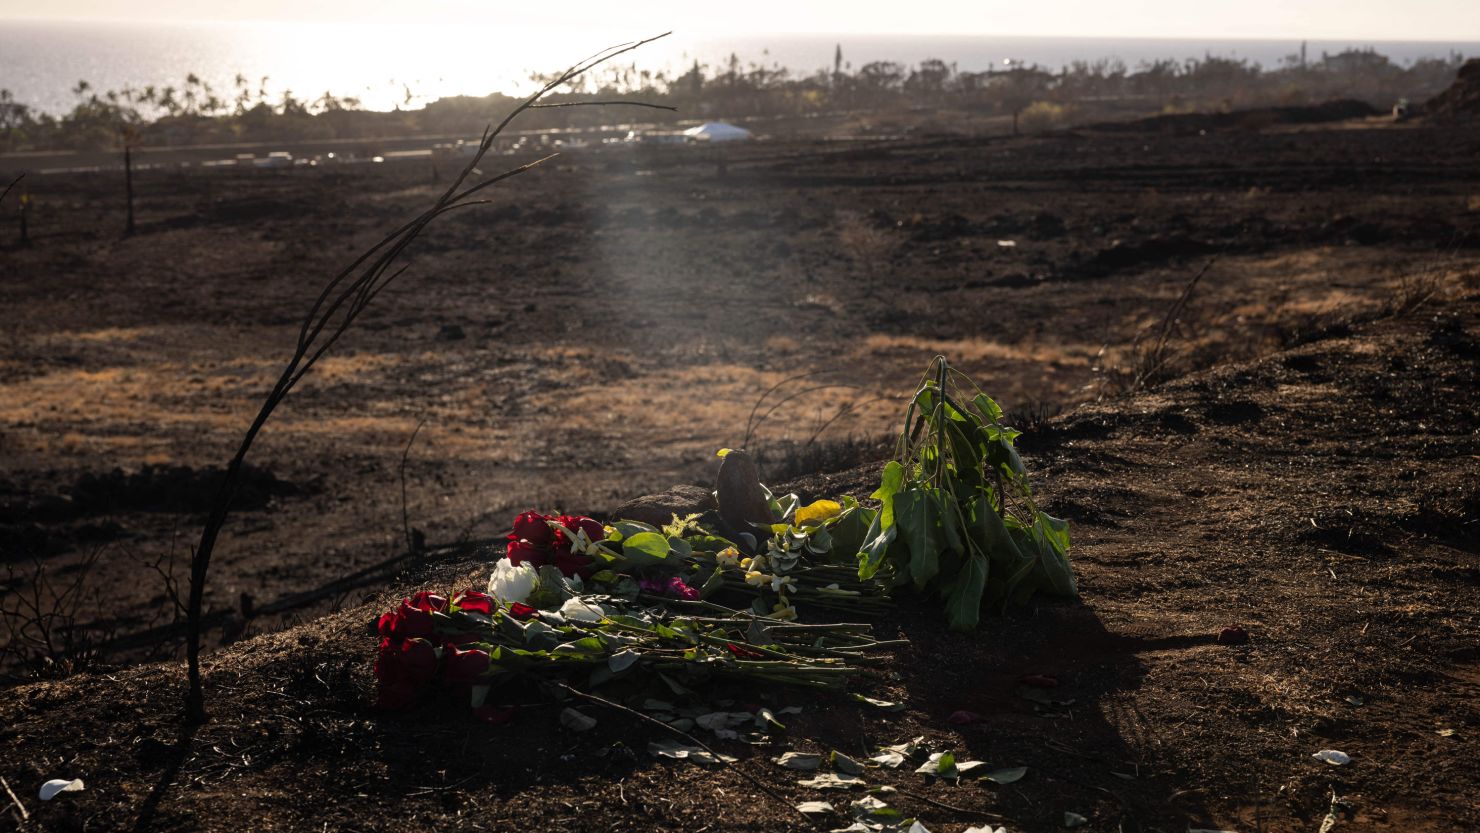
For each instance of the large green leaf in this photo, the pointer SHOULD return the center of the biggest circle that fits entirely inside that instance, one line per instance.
(1052, 538)
(964, 604)
(917, 513)
(645, 549)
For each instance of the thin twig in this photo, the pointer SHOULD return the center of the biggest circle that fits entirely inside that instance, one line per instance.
(763, 786)
(8, 791)
(13, 183)
(603, 103)
(944, 806)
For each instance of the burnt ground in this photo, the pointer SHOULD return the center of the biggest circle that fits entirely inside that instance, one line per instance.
(1324, 497)
(614, 316)
(612, 319)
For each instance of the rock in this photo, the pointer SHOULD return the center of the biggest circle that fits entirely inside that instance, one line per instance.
(742, 501)
(659, 509)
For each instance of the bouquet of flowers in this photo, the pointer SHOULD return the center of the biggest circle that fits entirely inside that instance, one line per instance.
(579, 601)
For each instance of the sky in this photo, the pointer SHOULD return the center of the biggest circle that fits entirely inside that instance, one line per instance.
(1378, 20)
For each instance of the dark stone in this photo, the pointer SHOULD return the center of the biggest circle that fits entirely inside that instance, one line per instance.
(742, 501)
(659, 509)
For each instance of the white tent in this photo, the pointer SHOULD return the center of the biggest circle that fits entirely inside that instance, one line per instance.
(717, 131)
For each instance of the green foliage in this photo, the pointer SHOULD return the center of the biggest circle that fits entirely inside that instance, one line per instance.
(956, 516)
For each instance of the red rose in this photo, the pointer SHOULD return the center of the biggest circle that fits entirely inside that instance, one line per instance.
(522, 551)
(403, 668)
(570, 564)
(472, 601)
(406, 622)
(464, 666)
(576, 523)
(520, 610)
(428, 601)
(531, 526)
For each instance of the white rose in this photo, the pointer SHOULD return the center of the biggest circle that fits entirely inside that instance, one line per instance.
(511, 584)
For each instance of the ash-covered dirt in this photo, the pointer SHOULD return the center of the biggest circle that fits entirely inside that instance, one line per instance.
(615, 315)
(1323, 497)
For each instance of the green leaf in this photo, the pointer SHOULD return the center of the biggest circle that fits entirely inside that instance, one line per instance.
(629, 528)
(1006, 776)
(890, 482)
(875, 547)
(963, 606)
(713, 584)
(988, 406)
(645, 549)
(1052, 538)
(848, 534)
(917, 512)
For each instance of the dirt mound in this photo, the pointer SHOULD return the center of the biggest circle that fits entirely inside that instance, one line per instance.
(1462, 99)
(1255, 119)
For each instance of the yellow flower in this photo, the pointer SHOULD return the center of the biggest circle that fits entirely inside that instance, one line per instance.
(728, 557)
(757, 578)
(745, 563)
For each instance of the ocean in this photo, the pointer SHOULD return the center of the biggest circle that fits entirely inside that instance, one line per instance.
(387, 66)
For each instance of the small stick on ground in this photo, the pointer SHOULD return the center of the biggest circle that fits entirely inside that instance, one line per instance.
(763, 786)
(18, 805)
(944, 806)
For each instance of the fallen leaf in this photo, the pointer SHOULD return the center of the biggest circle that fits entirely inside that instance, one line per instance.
(844, 764)
(938, 765)
(1006, 776)
(1334, 757)
(622, 660)
(805, 761)
(883, 704)
(764, 719)
(576, 721)
(51, 788)
(832, 781)
(679, 752)
(889, 759)
(717, 721)
(1074, 819)
(1445, 733)
(814, 808)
